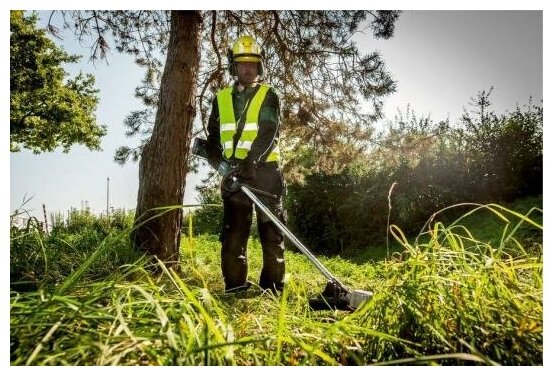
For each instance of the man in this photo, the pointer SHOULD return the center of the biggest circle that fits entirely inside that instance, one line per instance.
(243, 131)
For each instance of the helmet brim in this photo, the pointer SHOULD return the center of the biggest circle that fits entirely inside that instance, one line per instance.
(247, 59)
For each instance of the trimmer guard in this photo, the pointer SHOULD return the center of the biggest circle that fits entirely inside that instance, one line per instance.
(336, 296)
(333, 297)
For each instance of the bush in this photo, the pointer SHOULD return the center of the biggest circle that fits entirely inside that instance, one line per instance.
(487, 158)
(207, 219)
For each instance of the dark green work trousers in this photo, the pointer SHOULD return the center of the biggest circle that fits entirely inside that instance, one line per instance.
(238, 210)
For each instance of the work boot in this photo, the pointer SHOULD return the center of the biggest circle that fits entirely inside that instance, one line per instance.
(240, 288)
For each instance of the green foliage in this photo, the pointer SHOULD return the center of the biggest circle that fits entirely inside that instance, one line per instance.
(208, 218)
(506, 150)
(40, 260)
(28, 257)
(449, 292)
(332, 213)
(46, 111)
(486, 158)
(447, 299)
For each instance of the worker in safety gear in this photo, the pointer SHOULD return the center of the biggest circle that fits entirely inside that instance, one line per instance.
(243, 131)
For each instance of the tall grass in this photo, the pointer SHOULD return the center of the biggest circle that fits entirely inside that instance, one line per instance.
(447, 298)
(456, 294)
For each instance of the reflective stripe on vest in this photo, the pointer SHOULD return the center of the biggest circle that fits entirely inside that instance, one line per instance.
(228, 124)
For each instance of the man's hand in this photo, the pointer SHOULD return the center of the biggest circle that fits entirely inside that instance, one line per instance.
(223, 168)
(246, 169)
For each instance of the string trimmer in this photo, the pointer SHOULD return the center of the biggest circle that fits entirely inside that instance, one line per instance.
(335, 295)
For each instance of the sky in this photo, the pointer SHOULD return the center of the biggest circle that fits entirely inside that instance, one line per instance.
(440, 60)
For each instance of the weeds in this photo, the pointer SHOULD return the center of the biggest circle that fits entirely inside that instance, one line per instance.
(448, 298)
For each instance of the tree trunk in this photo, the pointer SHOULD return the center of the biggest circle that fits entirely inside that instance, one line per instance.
(163, 164)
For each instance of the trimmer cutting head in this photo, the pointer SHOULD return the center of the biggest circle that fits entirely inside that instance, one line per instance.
(336, 296)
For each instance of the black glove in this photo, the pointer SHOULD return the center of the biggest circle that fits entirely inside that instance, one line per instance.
(246, 169)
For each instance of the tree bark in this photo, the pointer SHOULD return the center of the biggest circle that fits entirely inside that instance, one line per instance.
(163, 164)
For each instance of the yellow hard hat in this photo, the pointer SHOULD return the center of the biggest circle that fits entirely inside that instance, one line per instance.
(246, 49)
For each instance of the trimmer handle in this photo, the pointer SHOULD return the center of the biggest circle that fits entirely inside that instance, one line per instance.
(231, 183)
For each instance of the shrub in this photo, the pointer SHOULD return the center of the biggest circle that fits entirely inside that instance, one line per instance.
(487, 158)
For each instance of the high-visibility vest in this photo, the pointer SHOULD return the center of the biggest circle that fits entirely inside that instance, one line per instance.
(228, 124)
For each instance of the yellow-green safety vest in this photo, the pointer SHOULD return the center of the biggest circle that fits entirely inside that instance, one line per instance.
(228, 124)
